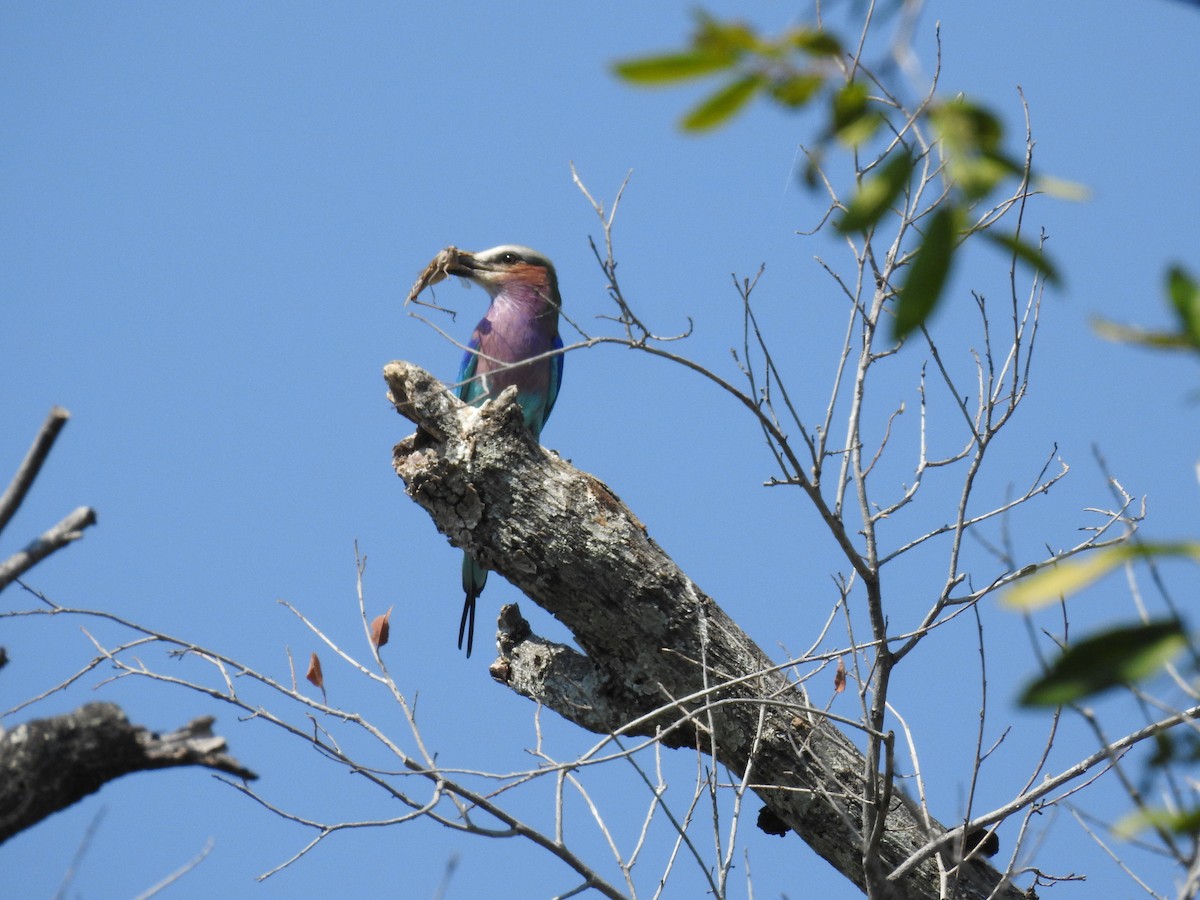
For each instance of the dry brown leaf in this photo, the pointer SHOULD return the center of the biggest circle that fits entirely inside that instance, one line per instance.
(314, 672)
(380, 628)
(839, 677)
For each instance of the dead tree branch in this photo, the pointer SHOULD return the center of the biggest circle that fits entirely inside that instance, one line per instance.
(48, 764)
(66, 531)
(656, 648)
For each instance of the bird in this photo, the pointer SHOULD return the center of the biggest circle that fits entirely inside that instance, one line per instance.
(515, 343)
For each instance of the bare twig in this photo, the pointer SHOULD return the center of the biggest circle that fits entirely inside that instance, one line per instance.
(23, 480)
(68, 530)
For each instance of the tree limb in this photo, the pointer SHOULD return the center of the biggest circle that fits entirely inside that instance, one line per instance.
(48, 764)
(656, 648)
(13, 496)
(68, 530)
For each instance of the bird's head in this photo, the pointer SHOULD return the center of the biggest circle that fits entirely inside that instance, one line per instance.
(504, 267)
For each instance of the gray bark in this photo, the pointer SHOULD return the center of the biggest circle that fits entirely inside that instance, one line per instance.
(48, 764)
(654, 645)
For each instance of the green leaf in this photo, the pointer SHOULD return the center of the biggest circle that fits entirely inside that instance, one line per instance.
(1164, 751)
(1062, 189)
(849, 103)
(1117, 656)
(1185, 297)
(1130, 334)
(1062, 579)
(875, 196)
(1053, 583)
(854, 121)
(1173, 748)
(731, 37)
(971, 136)
(721, 106)
(815, 42)
(1184, 821)
(671, 67)
(811, 173)
(977, 175)
(797, 89)
(928, 271)
(967, 127)
(860, 129)
(1030, 254)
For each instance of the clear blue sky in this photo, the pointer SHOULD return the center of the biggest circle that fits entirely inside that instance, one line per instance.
(211, 214)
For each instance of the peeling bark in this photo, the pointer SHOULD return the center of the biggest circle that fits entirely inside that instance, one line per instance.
(655, 646)
(48, 764)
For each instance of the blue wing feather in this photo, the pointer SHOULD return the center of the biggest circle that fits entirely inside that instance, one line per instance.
(556, 372)
(469, 387)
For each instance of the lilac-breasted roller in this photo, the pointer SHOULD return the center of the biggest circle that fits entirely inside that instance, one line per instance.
(515, 343)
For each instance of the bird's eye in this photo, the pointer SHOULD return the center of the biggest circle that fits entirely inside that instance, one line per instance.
(509, 258)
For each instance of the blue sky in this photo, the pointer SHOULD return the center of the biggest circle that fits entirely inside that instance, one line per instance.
(211, 214)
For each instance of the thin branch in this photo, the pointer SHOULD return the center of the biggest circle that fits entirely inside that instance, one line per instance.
(178, 873)
(68, 530)
(1051, 784)
(23, 480)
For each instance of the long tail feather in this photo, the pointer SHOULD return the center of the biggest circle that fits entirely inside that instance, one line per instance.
(474, 577)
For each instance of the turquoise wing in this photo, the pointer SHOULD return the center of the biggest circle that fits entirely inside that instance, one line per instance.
(469, 387)
(556, 373)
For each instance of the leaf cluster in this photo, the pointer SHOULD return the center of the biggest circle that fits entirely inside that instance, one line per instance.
(806, 66)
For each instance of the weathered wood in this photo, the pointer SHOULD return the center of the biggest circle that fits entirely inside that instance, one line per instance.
(655, 646)
(48, 764)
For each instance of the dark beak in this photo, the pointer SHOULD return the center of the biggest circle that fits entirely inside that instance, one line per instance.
(465, 265)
